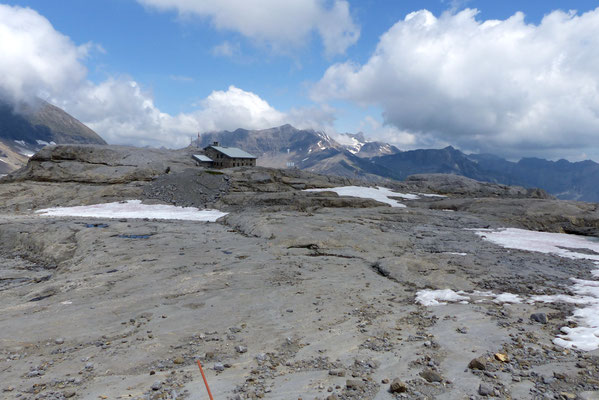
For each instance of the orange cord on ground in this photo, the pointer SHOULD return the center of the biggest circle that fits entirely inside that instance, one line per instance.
(205, 381)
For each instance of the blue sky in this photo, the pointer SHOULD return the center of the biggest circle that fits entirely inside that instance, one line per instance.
(178, 59)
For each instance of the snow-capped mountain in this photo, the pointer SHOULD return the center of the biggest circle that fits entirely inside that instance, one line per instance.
(364, 148)
(286, 146)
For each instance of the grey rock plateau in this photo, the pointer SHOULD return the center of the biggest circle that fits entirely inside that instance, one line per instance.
(292, 294)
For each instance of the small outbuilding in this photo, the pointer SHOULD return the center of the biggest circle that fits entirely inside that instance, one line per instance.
(228, 157)
(202, 160)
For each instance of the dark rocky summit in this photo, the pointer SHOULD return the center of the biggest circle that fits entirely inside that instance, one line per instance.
(26, 128)
(43, 121)
(292, 294)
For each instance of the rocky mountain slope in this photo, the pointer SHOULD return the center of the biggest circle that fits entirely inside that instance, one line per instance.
(316, 152)
(26, 129)
(292, 294)
(564, 179)
(308, 150)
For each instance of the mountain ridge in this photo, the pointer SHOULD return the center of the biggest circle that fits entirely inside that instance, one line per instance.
(314, 151)
(26, 128)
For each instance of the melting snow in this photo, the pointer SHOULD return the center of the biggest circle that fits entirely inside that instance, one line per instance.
(560, 244)
(379, 194)
(134, 209)
(507, 298)
(586, 335)
(432, 195)
(430, 297)
(437, 297)
(407, 196)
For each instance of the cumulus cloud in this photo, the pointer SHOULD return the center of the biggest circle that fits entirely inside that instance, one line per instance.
(389, 133)
(496, 85)
(123, 113)
(37, 61)
(275, 22)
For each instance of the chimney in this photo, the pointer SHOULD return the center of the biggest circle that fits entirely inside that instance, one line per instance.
(215, 143)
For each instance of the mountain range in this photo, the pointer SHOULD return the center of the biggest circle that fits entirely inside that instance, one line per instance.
(29, 128)
(315, 151)
(25, 129)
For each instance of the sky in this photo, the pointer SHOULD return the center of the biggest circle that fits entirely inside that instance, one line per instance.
(516, 79)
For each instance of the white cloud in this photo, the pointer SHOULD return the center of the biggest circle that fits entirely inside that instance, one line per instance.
(35, 59)
(38, 61)
(237, 108)
(388, 133)
(495, 85)
(122, 113)
(278, 23)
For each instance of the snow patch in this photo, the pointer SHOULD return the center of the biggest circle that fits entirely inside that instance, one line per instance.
(429, 297)
(134, 209)
(432, 195)
(42, 142)
(560, 244)
(507, 298)
(407, 196)
(586, 335)
(21, 142)
(379, 194)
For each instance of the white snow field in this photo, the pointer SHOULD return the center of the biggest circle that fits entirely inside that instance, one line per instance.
(379, 194)
(586, 335)
(134, 209)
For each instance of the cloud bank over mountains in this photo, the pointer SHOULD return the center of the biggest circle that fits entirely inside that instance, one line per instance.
(502, 86)
(483, 85)
(40, 62)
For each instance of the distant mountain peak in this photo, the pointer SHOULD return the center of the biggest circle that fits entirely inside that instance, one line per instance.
(26, 128)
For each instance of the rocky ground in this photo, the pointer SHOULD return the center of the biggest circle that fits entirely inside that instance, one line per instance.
(292, 295)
